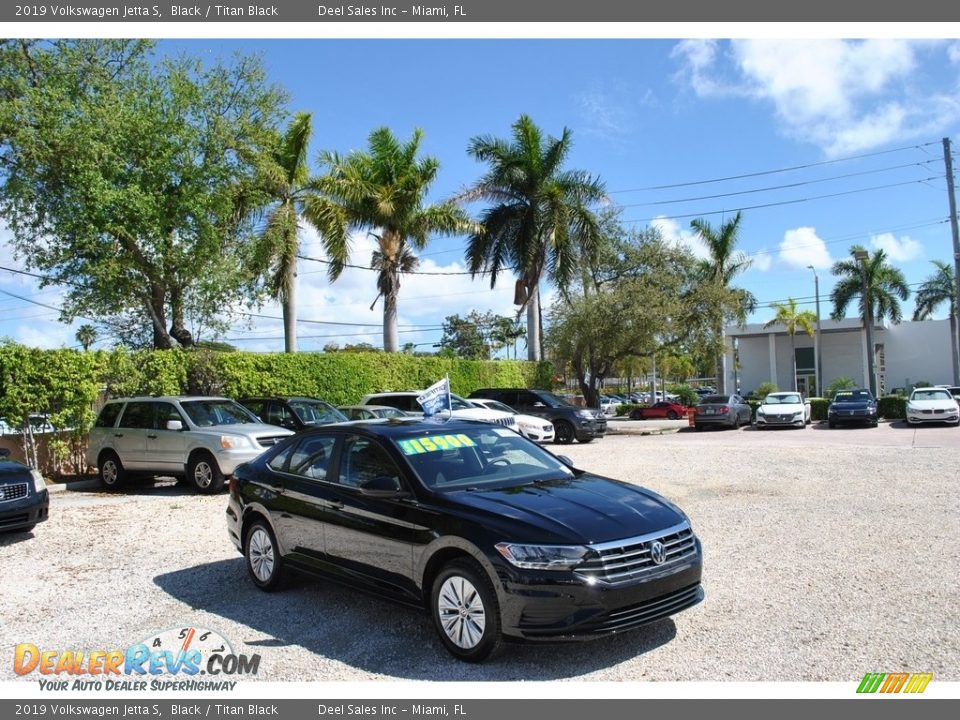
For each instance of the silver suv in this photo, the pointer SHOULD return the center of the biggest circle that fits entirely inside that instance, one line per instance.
(202, 439)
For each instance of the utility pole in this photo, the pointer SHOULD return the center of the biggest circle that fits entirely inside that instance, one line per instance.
(948, 161)
(818, 338)
(862, 256)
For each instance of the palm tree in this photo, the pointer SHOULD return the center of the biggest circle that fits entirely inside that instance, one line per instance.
(788, 316)
(719, 270)
(382, 191)
(86, 336)
(540, 219)
(292, 197)
(886, 288)
(940, 288)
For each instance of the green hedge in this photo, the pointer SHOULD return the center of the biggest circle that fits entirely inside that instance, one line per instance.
(892, 407)
(818, 409)
(68, 383)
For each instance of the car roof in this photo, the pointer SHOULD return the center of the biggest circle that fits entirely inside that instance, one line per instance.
(401, 427)
(285, 398)
(179, 398)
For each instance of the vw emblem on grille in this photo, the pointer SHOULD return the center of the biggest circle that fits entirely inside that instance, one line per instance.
(658, 553)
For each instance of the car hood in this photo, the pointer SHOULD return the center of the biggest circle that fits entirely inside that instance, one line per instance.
(11, 469)
(245, 429)
(782, 408)
(933, 404)
(581, 510)
(482, 414)
(531, 420)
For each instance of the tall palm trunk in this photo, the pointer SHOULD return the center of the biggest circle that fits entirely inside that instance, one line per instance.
(289, 305)
(391, 341)
(533, 323)
(793, 356)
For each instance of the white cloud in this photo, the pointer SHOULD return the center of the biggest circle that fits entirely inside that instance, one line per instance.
(604, 116)
(802, 247)
(898, 250)
(844, 96)
(761, 260)
(953, 52)
(672, 232)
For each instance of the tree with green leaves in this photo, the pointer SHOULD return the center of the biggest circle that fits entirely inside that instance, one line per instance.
(886, 288)
(128, 179)
(540, 221)
(382, 190)
(86, 336)
(787, 315)
(641, 297)
(466, 336)
(939, 289)
(286, 182)
(724, 264)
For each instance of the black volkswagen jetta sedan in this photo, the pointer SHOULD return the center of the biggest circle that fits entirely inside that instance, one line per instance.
(493, 535)
(24, 500)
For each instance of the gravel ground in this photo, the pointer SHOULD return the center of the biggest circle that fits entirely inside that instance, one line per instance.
(824, 560)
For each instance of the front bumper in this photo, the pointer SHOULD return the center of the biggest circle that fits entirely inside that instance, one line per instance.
(590, 427)
(228, 460)
(789, 420)
(916, 417)
(851, 416)
(24, 512)
(558, 606)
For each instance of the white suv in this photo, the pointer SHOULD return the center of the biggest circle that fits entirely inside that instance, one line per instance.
(460, 408)
(200, 438)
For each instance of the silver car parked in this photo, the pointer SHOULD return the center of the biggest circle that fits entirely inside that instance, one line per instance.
(202, 439)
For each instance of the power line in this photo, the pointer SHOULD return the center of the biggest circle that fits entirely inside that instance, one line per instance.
(772, 172)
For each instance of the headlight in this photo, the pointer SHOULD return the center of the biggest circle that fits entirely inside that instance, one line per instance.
(38, 483)
(542, 557)
(234, 442)
(760, 411)
(585, 413)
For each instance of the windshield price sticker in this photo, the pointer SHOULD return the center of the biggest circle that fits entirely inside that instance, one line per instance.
(433, 443)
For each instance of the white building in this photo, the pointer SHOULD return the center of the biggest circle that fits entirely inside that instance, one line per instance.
(906, 353)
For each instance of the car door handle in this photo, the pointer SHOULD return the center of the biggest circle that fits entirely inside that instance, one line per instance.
(152, 437)
(278, 489)
(118, 434)
(336, 504)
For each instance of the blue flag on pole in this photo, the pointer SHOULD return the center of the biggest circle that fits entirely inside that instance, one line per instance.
(435, 398)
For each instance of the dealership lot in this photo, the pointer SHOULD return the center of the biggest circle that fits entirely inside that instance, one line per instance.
(829, 553)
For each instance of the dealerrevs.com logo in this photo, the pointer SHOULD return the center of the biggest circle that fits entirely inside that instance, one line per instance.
(185, 658)
(894, 682)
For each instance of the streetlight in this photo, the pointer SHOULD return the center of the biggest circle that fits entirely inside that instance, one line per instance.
(817, 339)
(863, 256)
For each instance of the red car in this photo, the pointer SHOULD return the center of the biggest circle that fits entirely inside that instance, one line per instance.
(664, 409)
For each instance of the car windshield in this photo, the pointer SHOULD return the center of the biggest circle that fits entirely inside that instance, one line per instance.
(458, 403)
(787, 399)
(205, 413)
(715, 400)
(553, 401)
(316, 412)
(482, 458)
(931, 395)
(852, 396)
(389, 412)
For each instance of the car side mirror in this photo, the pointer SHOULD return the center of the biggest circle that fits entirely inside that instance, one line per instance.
(4, 452)
(174, 425)
(382, 486)
(539, 405)
(288, 423)
(565, 460)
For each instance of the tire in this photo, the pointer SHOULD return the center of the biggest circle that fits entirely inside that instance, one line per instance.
(831, 424)
(205, 474)
(736, 421)
(564, 433)
(465, 611)
(586, 439)
(262, 556)
(671, 415)
(111, 470)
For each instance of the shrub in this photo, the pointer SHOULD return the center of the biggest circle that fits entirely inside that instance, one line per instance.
(892, 407)
(764, 389)
(627, 408)
(688, 396)
(754, 404)
(837, 384)
(818, 409)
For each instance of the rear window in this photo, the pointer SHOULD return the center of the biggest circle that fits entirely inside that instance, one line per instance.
(108, 416)
(715, 399)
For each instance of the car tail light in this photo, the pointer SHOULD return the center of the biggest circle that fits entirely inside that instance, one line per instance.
(724, 410)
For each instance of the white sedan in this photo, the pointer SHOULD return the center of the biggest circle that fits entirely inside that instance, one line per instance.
(530, 426)
(932, 405)
(783, 409)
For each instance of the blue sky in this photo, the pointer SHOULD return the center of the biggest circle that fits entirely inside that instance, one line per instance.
(863, 120)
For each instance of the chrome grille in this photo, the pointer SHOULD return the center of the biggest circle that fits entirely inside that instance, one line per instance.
(630, 558)
(270, 440)
(508, 421)
(13, 492)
